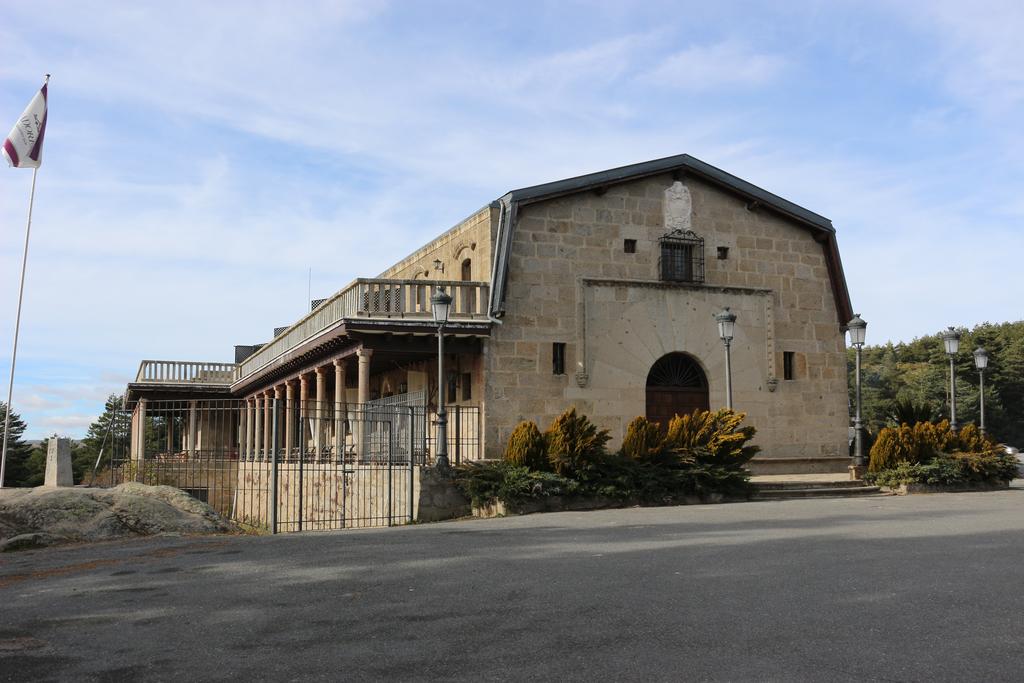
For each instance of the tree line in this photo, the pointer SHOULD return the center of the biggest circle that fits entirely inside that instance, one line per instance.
(26, 464)
(905, 382)
(909, 382)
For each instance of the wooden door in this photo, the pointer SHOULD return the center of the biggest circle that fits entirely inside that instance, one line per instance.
(676, 385)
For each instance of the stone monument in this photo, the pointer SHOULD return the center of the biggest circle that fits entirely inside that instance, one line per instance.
(58, 463)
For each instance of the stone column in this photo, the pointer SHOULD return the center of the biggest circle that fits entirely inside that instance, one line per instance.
(142, 440)
(303, 413)
(318, 409)
(289, 406)
(169, 421)
(268, 406)
(247, 429)
(364, 374)
(364, 397)
(256, 407)
(277, 393)
(340, 410)
(193, 425)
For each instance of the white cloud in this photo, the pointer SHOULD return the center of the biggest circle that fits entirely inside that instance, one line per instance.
(717, 66)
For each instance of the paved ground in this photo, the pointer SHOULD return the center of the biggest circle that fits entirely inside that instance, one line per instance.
(920, 588)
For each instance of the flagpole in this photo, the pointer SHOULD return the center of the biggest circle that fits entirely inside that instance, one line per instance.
(17, 328)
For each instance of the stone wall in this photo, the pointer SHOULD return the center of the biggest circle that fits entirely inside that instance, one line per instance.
(571, 281)
(335, 496)
(472, 239)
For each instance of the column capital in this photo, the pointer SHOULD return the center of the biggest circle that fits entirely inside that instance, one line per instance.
(279, 391)
(364, 353)
(321, 372)
(339, 363)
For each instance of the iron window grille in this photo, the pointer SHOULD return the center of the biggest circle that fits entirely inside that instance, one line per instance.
(682, 256)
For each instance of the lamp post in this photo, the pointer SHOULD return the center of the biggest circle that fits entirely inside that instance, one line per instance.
(857, 329)
(726, 320)
(440, 304)
(981, 362)
(951, 340)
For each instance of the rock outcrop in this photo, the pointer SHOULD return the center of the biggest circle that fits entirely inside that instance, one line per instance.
(46, 516)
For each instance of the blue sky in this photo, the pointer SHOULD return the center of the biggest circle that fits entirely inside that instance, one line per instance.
(202, 157)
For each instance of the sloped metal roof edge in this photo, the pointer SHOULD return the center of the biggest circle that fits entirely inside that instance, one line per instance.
(691, 164)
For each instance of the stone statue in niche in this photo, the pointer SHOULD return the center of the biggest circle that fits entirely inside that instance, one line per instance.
(678, 207)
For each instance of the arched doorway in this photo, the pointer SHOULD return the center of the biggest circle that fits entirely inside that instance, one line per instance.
(676, 385)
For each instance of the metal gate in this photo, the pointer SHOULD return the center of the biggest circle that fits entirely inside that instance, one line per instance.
(285, 465)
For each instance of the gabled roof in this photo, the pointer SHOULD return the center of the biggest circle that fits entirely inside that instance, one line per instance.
(820, 226)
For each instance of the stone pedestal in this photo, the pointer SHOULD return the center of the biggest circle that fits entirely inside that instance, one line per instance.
(857, 472)
(58, 463)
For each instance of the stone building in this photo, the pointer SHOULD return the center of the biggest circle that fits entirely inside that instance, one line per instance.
(597, 291)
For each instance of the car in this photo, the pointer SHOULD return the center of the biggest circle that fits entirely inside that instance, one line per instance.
(1010, 450)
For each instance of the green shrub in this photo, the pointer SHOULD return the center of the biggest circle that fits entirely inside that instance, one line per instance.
(526, 447)
(644, 441)
(908, 411)
(713, 438)
(950, 470)
(925, 441)
(575, 444)
(485, 482)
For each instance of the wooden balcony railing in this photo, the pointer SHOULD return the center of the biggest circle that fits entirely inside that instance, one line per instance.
(184, 372)
(372, 298)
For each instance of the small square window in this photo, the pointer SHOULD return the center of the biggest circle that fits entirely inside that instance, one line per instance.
(723, 253)
(629, 246)
(787, 364)
(558, 358)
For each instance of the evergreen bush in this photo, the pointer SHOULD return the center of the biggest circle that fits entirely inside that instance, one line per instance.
(713, 438)
(925, 441)
(930, 453)
(644, 441)
(485, 482)
(575, 445)
(526, 447)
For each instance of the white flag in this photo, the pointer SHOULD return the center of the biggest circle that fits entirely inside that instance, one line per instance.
(24, 146)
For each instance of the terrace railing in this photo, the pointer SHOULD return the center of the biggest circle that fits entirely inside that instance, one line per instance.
(184, 372)
(373, 298)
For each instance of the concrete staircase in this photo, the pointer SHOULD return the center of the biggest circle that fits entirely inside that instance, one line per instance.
(780, 487)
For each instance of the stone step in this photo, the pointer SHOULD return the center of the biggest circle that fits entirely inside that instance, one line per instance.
(807, 484)
(816, 492)
(823, 465)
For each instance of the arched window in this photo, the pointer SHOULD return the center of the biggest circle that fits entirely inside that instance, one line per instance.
(467, 270)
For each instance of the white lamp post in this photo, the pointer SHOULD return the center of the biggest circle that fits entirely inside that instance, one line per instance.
(951, 340)
(858, 329)
(981, 362)
(441, 304)
(726, 320)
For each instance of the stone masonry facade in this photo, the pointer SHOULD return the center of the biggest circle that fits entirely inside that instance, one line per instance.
(572, 281)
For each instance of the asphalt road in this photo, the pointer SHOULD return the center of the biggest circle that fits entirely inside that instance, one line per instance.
(921, 588)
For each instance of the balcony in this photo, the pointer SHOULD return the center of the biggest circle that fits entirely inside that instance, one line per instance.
(371, 299)
(185, 372)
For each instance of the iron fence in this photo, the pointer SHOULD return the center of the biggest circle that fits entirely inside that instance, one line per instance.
(289, 465)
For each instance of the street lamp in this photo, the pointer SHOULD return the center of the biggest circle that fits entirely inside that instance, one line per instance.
(981, 362)
(441, 304)
(726, 320)
(857, 329)
(951, 340)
